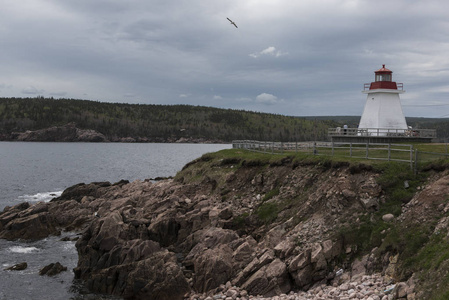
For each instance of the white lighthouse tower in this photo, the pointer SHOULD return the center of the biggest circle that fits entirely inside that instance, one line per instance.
(383, 110)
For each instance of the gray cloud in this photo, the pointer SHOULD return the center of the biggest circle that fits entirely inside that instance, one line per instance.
(31, 90)
(312, 57)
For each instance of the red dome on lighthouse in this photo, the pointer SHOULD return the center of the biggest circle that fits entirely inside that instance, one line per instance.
(383, 70)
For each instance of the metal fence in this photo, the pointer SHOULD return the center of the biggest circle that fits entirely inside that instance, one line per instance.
(277, 147)
(383, 132)
(374, 151)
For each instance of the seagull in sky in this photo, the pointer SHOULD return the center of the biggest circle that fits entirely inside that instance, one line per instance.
(232, 22)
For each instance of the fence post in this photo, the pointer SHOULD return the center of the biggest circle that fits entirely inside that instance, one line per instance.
(367, 150)
(389, 151)
(296, 147)
(282, 147)
(350, 149)
(416, 161)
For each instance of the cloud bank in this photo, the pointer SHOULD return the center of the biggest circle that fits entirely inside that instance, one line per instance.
(313, 57)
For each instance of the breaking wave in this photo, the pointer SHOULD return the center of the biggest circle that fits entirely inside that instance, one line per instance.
(40, 197)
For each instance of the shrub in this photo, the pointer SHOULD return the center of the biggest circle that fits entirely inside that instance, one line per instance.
(271, 194)
(267, 212)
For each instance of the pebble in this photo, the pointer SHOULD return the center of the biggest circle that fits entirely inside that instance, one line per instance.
(368, 287)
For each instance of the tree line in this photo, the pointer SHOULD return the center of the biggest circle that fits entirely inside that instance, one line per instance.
(156, 122)
(172, 122)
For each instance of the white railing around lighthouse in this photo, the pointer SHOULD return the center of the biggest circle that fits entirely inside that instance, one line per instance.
(383, 132)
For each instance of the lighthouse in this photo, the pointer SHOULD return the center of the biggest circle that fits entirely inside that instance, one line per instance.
(383, 110)
(382, 120)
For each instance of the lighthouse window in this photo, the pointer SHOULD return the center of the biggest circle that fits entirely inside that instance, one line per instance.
(383, 77)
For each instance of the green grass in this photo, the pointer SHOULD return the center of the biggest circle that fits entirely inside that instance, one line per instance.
(267, 212)
(393, 177)
(372, 231)
(240, 221)
(271, 194)
(430, 263)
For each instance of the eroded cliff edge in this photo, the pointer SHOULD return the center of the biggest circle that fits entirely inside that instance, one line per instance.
(268, 225)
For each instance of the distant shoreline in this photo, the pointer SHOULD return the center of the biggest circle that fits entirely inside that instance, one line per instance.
(70, 133)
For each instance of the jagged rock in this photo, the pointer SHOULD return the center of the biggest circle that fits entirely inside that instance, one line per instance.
(370, 204)
(79, 191)
(18, 267)
(274, 236)
(52, 269)
(164, 231)
(212, 268)
(29, 227)
(10, 213)
(331, 249)
(135, 269)
(211, 258)
(258, 262)
(359, 266)
(270, 280)
(244, 254)
(285, 248)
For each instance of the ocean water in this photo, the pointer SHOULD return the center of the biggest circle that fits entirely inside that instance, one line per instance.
(33, 172)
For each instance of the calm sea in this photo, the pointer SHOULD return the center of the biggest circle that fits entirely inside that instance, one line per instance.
(40, 171)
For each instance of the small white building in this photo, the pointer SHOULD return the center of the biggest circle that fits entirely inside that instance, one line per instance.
(383, 111)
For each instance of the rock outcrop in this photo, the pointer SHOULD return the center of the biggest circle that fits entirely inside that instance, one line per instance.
(52, 269)
(70, 133)
(256, 230)
(18, 267)
(67, 133)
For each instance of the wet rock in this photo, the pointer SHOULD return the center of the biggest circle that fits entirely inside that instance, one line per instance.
(134, 269)
(78, 191)
(18, 267)
(52, 269)
(30, 227)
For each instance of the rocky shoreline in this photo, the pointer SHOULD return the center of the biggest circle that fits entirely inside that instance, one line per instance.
(227, 229)
(70, 133)
(363, 287)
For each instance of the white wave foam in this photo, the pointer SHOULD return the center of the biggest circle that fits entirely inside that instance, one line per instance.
(20, 249)
(40, 197)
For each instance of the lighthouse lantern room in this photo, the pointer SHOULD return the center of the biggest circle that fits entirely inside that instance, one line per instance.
(383, 108)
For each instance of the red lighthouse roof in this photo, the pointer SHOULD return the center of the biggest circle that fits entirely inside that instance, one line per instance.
(383, 70)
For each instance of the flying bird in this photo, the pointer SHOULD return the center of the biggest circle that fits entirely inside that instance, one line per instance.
(232, 22)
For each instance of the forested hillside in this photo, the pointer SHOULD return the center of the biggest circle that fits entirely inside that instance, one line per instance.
(162, 123)
(155, 122)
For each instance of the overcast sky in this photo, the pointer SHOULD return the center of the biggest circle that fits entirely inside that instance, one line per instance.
(298, 58)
